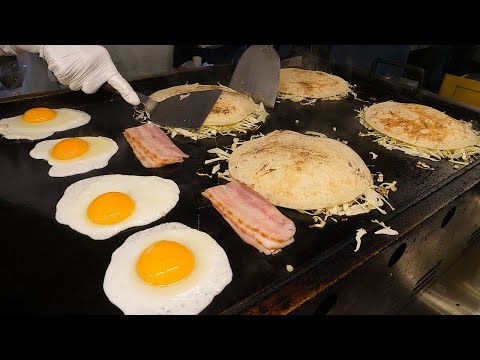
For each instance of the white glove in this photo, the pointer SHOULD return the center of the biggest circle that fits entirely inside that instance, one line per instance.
(85, 67)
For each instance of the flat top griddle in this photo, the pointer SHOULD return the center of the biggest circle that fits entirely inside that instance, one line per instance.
(48, 268)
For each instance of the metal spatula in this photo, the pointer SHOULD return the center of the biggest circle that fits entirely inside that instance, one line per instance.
(257, 74)
(184, 111)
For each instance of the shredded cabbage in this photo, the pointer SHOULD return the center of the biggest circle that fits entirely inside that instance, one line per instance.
(370, 200)
(387, 230)
(314, 133)
(311, 101)
(461, 156)
(223, 155)
(389, 186)
(225, 175)
(423, 166)
(379, 177)
(141, 114)
(251, 123)
(203, 174)
(358, 238)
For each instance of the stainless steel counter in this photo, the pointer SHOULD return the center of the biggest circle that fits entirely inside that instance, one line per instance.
(456, 292)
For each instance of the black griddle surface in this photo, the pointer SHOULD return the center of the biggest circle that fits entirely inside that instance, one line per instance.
(48, 268)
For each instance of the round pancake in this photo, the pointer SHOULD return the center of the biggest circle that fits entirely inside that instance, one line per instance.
(311, 84)
(300, 172)
(420, 125)
(230, 108)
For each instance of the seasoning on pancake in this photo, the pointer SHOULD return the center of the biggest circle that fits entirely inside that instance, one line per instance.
(310, 174)
(307, 86)
(233, 112)
(422, 131)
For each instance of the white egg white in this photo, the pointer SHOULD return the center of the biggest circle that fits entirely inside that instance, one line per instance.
(99, 152)
(154, 197)
(134, 296)
(16, 128)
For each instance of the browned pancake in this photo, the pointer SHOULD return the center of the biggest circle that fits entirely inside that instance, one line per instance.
(232, 113)
(299, 171)
(420, 125)
(299, 84)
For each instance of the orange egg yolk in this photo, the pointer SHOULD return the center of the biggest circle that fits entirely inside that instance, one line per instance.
(38, 115)
(165, 263)
(110, 208)
(69, 149)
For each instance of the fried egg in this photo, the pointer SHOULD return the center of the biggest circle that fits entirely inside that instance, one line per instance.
(102, 206)
(170, 269)
(70, 156)
(41, 122)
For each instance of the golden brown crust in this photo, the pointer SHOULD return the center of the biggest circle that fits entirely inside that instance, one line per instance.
(420, 125)
(303, 84)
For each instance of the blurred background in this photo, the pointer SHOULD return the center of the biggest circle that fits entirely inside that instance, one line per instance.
(449, 70)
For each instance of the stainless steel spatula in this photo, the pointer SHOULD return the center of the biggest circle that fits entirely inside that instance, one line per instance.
(184, 111)
(257, 74)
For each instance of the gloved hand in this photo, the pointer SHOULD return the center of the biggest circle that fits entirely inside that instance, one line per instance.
(85, 67)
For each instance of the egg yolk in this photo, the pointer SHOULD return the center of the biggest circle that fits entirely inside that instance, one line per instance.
(110, 208)
(38, 115)
(165, 263)
(69, 149)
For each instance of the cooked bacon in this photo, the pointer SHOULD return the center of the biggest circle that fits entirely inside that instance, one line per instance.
(157, 136)
(157, 143)
(253, 217)
(139, 154)
(264, 238)
(249, 239)
(148, 161)
(152, 146)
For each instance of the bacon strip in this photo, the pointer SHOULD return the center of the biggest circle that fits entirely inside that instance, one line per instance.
(253, 217)
(141, 155)
(157, 136)
(152, 146)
